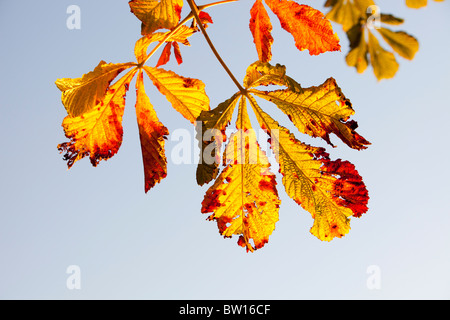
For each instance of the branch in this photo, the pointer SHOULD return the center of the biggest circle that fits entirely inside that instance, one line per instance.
(194, 11)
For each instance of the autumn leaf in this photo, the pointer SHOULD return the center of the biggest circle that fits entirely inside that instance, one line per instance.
(244, 200)
(165, 55)
(348, 13)
(80, 95)
(358, 55)
(95, 107)
(180, 35)
(309, 27)
(152, 134)
(186, 95)
(264, 74)
(365, 48)
(156, 14)
(416, 4)
(97, 133)
(402, 43)
(332, 191)
(384, 64)
(261, 29)
(319, 111)
(211, 134)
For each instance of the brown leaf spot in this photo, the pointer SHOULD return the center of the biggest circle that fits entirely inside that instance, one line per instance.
(188, 83)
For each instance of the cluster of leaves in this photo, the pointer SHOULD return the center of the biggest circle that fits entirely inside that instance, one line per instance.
(243, 199)
(359, 19)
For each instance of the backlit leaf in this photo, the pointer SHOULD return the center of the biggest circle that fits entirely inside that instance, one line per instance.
(261, 29)
(211, 134)
(348, 13)
(80, 95)
(186, 95)
(244, 200)
(332, 191)
(97, 133)
(181, 35)
(165, 55)
(384, 64)
(309, 27)
(390, 19)
(156, 14)
(319, 111)
(152, 134)
(358, 55)
(404, 44)
(416, 4)
(264, 74)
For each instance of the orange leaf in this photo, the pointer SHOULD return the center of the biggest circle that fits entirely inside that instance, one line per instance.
(165, 55)
(261, 28)
(205, 18)
(177, 52)
(97, 133)
(152, 134)
(309, 27)
(156, 14)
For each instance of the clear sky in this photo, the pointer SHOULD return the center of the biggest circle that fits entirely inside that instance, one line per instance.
(132, 245)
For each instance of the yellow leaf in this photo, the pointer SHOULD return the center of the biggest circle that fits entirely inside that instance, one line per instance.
(348, 13)
(156, 14)
(384, 64)
(319, 111)
(186, 95)
(80, 95)
(404, 44)
(332, 191)
(416, 3)
(152, 134)
(264, 74)
(97, 133)
(244, 200)
(211, 135)
(357, 56)
(390, 19)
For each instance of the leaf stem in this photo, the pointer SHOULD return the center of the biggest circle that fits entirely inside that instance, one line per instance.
(204, 6)
(194, 11)
(190, 16)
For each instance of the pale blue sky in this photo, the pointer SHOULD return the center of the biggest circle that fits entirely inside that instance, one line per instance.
(131, 245)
